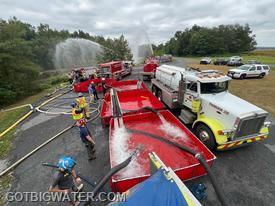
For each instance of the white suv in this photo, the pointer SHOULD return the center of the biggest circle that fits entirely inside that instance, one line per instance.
(248, 70)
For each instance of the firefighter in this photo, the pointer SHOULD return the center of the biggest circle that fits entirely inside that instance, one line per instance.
(94, 91)
(85, 134)
(65, 179)
(82, 103)
(91, 93)
(87, 139)
(77, 112)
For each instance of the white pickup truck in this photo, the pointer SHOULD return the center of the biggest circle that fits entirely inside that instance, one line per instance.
(220, 119)
(249, 70)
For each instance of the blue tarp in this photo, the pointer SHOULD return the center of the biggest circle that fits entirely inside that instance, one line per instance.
(155, 191)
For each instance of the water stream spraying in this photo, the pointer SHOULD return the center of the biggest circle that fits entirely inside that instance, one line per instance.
(121, 150)
(140, 45)
(76, 52)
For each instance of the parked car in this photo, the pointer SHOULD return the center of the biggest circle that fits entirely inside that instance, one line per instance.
(220, 61)
(248, 70)
(205, 60)
(235, 61)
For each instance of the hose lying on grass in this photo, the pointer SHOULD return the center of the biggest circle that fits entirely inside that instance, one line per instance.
(42, 145)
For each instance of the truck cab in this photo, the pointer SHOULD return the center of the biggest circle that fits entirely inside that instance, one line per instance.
(110, 69)
(149, 68)
(220, 119)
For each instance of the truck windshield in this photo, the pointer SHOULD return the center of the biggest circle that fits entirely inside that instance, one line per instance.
(244, 67)
(214, 87)
(105, 69)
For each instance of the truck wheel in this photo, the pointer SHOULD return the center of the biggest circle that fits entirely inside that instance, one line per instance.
(261, 75)
(159, 95)
(206, 136)
(243, 76)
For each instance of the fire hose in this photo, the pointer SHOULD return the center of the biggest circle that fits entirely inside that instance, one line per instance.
(99, 186)
(43, 144)
(197, 155)
(33, 109)
(85, 179)
(106, 178)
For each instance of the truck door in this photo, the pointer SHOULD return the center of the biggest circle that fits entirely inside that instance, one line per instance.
(191, 92)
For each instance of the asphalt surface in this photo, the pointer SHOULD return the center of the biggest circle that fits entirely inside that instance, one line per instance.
(246, 175)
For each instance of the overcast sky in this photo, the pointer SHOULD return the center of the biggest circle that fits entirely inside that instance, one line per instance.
(160, 19)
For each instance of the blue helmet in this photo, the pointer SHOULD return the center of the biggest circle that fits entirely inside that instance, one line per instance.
(67, 163)
(73, 104)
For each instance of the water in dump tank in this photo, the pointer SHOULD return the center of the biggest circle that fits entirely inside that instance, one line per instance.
(121, 151)
(170, 129)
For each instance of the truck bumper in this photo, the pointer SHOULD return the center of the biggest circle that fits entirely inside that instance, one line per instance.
(242, 142)
(234, 75)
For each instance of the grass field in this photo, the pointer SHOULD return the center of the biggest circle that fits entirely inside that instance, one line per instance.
(260, 92)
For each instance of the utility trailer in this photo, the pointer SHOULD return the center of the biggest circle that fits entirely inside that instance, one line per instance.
(122, 141)
(130, 101)
(220, 119)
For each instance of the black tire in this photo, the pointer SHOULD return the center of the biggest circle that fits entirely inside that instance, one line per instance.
(243, 76)
(159, 95)
(206, 136)
(261, 75)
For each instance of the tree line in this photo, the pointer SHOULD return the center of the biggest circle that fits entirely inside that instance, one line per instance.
(203, 41)
(25, 51)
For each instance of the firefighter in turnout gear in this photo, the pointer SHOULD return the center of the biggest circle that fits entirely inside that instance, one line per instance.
(85, 134)
(82, 103)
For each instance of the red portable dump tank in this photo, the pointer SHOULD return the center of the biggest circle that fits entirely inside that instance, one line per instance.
(83, 86)
(127, 85)
(129, 101)
(122, 143)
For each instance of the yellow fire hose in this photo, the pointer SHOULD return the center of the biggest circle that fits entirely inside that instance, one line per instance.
(28, 114)
(16, 123)
(45, 143)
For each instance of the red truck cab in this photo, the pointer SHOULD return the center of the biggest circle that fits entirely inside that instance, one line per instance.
(111, 69)
(149, 68)
(114, 69)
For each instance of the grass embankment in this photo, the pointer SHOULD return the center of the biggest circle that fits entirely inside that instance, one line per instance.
(8, 118)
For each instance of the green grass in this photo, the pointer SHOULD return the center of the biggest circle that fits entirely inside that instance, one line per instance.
(262, 59)
(7, 119)
(4, 187)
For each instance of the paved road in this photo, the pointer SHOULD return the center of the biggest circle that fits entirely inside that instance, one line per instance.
(247, 175)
